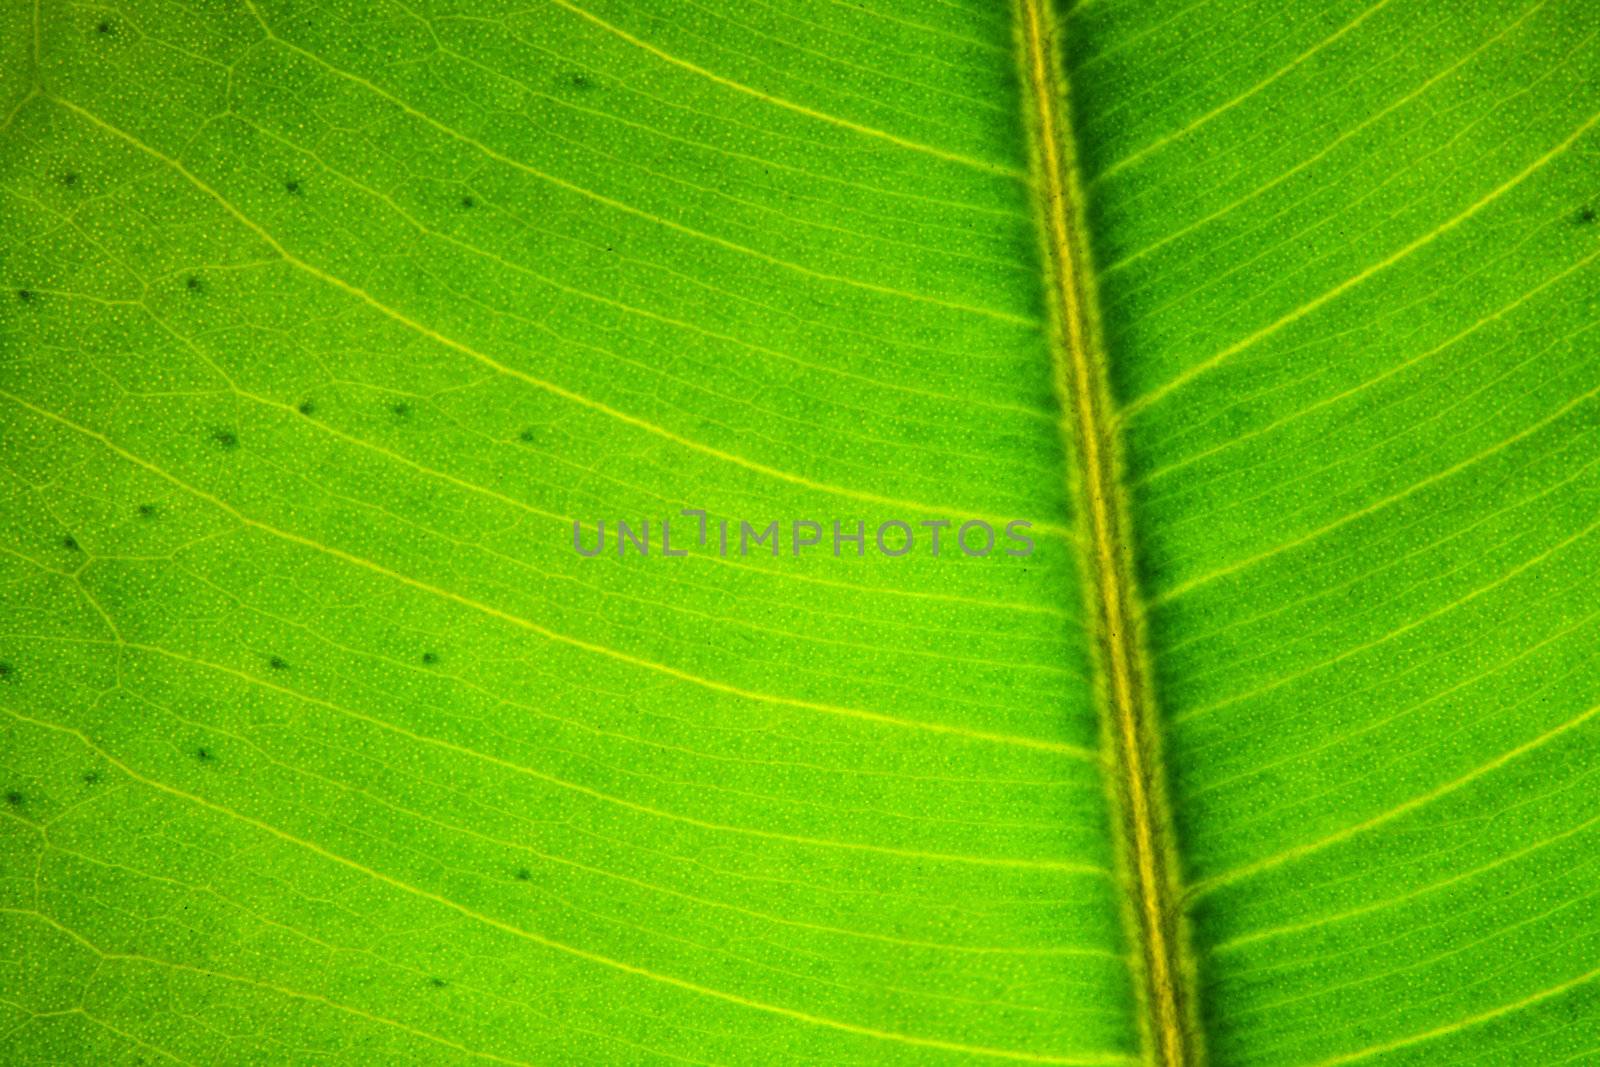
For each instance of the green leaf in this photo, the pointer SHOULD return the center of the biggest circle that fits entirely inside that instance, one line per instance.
(321, 325)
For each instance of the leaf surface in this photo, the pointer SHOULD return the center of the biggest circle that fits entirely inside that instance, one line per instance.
(322, 324)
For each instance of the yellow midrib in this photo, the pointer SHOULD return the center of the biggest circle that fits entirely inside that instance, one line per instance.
(1136, 777)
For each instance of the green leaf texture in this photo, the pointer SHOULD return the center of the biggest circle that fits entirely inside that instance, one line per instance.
(321, 323)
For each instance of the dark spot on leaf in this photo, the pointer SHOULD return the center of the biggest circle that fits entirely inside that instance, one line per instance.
(468, 202)
(70, 544)
(581, 81)
(91, 778)
(401, 410)
(1586, 215)
(5, 670)
(24, 295)
(437, 983)
(292, 187)
(14, 799)
(103, 28)
(147, 511)
(69, 179)
(429, 658)
(202, 755)
(277, 664)
(194, 284)
(307, 408)
(524, 874)
(526, 437)
(227, 439)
